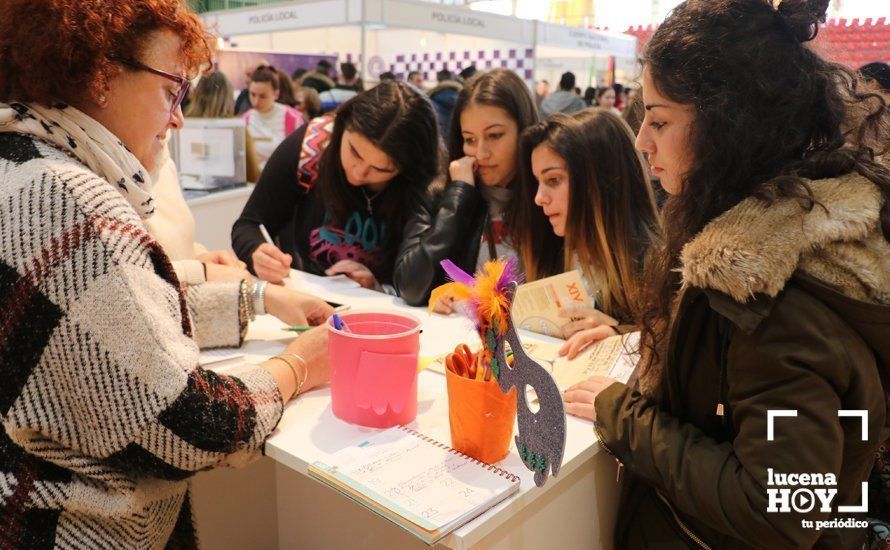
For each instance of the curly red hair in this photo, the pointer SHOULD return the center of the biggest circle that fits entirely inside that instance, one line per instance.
(61, 50)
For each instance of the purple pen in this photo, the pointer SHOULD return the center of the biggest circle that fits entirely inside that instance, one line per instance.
(340, 324)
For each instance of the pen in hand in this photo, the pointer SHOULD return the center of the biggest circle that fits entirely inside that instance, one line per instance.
(268, 238)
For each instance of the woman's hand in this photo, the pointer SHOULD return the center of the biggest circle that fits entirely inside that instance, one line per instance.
(270, 263)
(296, 308)
(444, 306)
(313, 347)
(463, 169)
(579, 399)
(357, 272)
(221, 257)
(447, 303)
(222, 265)
(586, 326)
(582, 340)
(583, 319)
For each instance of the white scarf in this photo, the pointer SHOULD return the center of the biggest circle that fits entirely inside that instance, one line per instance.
(88, 141)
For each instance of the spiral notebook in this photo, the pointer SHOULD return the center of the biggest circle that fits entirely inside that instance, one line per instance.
(426, 487)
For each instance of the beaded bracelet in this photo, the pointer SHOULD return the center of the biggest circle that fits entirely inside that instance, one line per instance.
(244, 308)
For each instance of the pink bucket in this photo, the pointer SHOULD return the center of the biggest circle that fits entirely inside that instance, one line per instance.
(374, 368)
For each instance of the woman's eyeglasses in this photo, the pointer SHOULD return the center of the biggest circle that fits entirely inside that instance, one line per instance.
(184, 83)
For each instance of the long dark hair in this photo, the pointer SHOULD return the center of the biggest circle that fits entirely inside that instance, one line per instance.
(769, 114)
(285, 89)
(612, 215)
(266, 73)
(498, 88)
(401, 122)
(634, 113)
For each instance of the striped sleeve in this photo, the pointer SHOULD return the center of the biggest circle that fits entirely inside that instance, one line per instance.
(216, 421)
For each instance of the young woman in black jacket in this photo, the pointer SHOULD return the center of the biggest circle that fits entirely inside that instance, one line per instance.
(464, 223)
(343, 210)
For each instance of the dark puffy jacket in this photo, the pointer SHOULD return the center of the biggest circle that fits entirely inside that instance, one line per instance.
(781, 309)
(444, 96)
(319, 82)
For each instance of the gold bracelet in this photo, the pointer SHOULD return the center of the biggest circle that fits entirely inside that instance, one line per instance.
(293, 369)
(299, 358)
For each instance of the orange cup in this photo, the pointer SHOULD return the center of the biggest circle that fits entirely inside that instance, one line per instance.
(481, 417)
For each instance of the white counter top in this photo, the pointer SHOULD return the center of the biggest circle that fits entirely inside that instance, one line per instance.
(309, 431)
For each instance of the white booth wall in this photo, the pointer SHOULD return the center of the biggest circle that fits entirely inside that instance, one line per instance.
(551, 62)
(588, 70)
(585, 52)
(406, 35)
(389, 44)
(331, 40)
(398, 50)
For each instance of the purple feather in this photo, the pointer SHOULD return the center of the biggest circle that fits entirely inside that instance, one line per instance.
(510, 274)
(456, 274)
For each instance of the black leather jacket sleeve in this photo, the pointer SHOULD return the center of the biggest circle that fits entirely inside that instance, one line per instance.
(443, 227)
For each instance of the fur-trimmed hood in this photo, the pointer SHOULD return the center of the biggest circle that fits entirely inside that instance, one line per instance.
(755, 249)
(446, 85)
(314, 75)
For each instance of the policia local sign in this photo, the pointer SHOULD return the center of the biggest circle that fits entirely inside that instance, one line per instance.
(447, 19)
(389, 13)
(283, 17)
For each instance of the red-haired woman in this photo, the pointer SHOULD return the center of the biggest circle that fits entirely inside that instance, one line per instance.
(105, 411)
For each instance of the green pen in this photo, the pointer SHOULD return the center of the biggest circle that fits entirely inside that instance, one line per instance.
(297, 329)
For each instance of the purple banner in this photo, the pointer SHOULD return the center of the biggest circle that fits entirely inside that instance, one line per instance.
(237, 65)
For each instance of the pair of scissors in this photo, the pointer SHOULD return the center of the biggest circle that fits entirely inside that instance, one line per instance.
(462, 362)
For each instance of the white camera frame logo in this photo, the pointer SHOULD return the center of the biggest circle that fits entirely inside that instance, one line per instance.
(772, 414)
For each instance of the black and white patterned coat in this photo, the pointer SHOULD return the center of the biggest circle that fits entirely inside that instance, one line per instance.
(105, 411)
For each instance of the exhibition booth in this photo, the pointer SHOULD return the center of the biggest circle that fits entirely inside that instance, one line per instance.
(404, 35)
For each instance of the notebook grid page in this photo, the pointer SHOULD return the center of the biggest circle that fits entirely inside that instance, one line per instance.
(429, 481)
